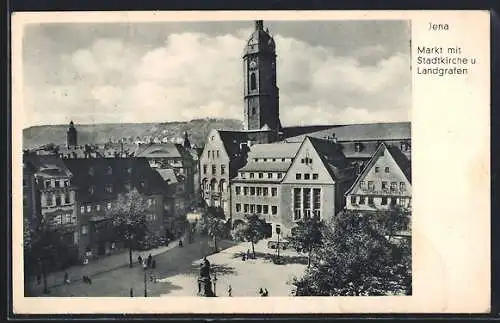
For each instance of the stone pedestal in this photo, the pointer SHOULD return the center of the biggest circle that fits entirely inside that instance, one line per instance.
(205, 287)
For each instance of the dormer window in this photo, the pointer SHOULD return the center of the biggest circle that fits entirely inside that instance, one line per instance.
(129, 170)
(357, 147)
(91, 189)
(91, 171)
(108, 188)
(109, 171)
(253, 82)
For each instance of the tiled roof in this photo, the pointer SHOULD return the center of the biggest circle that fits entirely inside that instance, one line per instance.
(266, 167)
(93, 172)
(333, 158)
(159, 150)
(232, 140)
(402, 160)
(355, 132)
(274, 150)
(47, 165)
(168, 175)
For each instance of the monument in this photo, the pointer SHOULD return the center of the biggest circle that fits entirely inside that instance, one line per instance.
(204, 281)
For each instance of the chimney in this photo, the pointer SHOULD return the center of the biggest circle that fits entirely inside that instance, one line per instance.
(259, 25)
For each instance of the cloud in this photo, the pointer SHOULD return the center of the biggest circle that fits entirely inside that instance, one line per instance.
(195, 75)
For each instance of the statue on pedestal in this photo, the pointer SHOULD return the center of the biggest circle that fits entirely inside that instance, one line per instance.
(204, 281)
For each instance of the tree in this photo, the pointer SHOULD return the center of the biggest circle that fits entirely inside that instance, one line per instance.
(128, 217)
(42, 244)
(213, 224)
(307, 236)
(355, 259)
(253, 230)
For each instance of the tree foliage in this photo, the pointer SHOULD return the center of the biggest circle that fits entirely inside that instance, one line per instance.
(307, 236)
(252, 230)
(356, 259)
(213, 224)
(129, 218)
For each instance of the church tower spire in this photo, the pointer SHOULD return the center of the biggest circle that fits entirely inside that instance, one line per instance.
(261, 94)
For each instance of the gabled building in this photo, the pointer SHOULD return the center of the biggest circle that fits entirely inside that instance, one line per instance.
(50, 194)
(314, 184)
(384, 183)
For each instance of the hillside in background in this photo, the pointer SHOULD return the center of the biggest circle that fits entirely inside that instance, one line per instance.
(101, 133)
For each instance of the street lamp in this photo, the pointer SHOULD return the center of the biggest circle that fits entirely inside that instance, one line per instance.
(215, 283)
(145, 283)
(278, 231)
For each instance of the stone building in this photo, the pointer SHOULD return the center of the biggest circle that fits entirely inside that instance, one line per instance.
(99, 182)
(384, 183)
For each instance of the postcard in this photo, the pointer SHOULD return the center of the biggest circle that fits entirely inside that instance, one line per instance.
(251, 162)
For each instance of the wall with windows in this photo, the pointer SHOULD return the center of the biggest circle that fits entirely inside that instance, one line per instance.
(214, 174)
(255, 198)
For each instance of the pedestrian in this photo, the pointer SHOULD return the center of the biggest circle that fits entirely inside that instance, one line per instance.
(153, 264)
(261, 292)
(150, 259)
(139, 260)
(144, 264)
(230, 291)
(266, 293)
(248, 253)
(131, 292)
(180, 243)
(66, 278)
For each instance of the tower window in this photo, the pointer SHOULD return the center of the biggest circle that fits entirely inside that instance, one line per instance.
(253, 81)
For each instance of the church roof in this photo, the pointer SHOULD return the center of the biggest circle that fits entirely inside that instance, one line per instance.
(274, 150)
(332, 157)
(352, 132)
(260, 40)
(266, 167)
(232, 140)
(47, 165)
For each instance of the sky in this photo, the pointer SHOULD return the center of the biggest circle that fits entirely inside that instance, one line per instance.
(328, 72)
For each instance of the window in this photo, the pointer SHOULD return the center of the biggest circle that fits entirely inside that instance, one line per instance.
(129, 170)
(245, 190)
(204, 169)
(261, 175)
(362, 185)
(265, 191)
(283, 159)
(259, 191)
(98, 207)
(110, 170)
(91, 189)
(384, 186)
(298, 176)
(357, 147)
(82, 209)
(67, 198)
(242, 175)
(377, 169)
(274, 191)
(252, 208)
(58, 200)
(370, 200)
(238, 190)
(393, 186)
(150, 202)
(89, 208)
(361, 200)
(255, 159)
(274, 159)
(143, 184)
(47, 184)
(265, 159)
(222, 169)
(384, 200)
(280, 175)
(393, 201)
(245, 208)
(108, 205)
(66, 183)
(24, 182)
(307, 176)
(49, 200)
(274, 209)
(265, 209)
(353, 199)
(296, 204)
(91, 171)
(208, 154)
(238, 207)
(402, 187)
(214, 170)
(387, 169)
(252, 190)
(85, 229)
(251, 175)
(316, 198)
(253, 81)
(259, 209)
(315, 176)
(371, 187)
(306, 200)
(213, 154)
(269, 175)
(217, 154)
(108, 188)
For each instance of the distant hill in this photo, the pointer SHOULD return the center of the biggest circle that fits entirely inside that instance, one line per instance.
(197, 129)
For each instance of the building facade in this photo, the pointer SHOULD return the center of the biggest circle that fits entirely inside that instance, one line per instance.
(384, 184)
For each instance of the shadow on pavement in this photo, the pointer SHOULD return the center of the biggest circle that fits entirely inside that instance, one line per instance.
(283, 259)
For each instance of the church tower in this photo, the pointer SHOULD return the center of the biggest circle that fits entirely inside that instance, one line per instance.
(261, 97)
(71, 135)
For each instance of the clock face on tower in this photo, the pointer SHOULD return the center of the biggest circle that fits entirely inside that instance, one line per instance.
(253, 65)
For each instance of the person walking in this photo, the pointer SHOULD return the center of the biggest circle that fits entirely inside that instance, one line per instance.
(230, 291)
(131, 292)
(261, 292)
(66, 278)
(150, 259)
(266, 293)
(139, 259)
